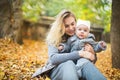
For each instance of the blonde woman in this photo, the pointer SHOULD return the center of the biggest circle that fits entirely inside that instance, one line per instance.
(63, 28)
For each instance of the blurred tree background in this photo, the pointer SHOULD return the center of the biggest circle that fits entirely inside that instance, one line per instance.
(22, 22)
(97, 11)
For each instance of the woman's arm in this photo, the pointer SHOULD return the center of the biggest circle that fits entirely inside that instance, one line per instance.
(57, 58)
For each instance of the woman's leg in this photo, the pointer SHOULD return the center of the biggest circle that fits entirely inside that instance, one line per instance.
(90, 72)
(65, 71)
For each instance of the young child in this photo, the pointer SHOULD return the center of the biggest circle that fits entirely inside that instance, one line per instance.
(82, 36)
(79, 40)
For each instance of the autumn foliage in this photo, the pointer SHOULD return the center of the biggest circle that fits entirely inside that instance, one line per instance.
(19, 62)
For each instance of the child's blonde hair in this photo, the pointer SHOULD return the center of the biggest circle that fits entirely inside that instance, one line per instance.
(58, 29)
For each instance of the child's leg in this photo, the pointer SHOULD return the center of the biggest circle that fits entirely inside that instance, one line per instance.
(79, 65)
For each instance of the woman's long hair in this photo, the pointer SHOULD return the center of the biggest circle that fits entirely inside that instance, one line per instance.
(57, 28)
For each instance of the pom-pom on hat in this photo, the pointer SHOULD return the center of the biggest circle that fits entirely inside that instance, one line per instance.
(84, 22)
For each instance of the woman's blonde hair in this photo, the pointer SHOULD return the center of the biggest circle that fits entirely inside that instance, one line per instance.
(57, 28)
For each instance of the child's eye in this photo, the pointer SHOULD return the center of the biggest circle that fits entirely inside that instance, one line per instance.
(72, 24)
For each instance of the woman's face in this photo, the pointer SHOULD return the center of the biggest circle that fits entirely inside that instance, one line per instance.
(70, 24)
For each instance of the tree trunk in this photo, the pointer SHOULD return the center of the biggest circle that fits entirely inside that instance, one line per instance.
(11, 20)
(115, 34)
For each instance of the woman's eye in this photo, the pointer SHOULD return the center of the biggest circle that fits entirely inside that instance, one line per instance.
(66, 26)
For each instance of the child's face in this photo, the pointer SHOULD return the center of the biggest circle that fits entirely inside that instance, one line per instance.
(82, 31)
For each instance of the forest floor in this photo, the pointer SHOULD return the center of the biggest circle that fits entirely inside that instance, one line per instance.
(19, 62)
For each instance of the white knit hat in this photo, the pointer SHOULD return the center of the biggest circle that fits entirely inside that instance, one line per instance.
(84, 22)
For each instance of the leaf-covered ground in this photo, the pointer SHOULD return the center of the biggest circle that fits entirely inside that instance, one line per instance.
(19, 62)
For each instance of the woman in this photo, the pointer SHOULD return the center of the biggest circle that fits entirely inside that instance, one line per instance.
(63, 28)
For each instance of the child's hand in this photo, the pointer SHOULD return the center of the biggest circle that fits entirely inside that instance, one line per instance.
(60, 48)
(103, 44)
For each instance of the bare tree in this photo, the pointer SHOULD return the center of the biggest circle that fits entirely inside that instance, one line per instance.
(11, 20)
(115, 33)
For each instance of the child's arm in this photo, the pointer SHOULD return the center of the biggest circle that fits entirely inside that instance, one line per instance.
(101, 46)
(60, 48)
(63, 47)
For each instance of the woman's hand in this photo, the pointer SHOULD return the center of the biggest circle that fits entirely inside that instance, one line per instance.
(87, 55)
(88, 52)
(89, 48)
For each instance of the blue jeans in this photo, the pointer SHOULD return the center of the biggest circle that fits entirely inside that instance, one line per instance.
(80, 64)
(90, 72)
(64, 71)
(68, 71)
